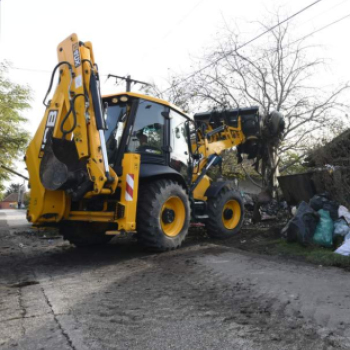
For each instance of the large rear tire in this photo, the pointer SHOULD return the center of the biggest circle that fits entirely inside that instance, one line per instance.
(163, 215)
(82, 234)
(226, 214)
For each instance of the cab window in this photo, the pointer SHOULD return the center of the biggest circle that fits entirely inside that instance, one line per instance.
(148, 132)
(179, 156)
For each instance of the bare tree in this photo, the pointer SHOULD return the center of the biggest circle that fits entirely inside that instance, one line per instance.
(278, 73)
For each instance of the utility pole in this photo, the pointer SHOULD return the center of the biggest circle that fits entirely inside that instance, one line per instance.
(128, 80)
(128, 83)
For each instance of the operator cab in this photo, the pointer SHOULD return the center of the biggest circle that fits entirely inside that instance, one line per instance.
(153, 128)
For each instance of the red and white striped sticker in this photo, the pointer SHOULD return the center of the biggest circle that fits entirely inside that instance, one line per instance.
(129, 191)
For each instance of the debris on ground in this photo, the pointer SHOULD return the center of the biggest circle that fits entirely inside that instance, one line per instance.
(261, 207)
(45, 232)
(322, 222)
(270, 210)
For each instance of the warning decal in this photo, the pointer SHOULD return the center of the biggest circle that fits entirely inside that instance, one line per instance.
(76, 55)
(50, 124)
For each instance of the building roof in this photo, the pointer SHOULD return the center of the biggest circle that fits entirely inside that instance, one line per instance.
(13, 197)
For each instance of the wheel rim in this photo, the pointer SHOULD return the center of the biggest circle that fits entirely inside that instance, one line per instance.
(172, 217)
(231, 214)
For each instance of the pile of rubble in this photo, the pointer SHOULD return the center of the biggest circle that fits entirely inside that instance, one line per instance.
(323, 222)
(334, 159)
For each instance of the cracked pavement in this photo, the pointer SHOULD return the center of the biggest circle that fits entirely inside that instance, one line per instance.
(202, 296)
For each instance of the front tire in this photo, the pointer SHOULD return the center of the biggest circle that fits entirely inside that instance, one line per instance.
(226, 214)
(163, 215)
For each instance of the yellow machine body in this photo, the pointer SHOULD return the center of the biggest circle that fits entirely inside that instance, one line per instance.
(71, 177)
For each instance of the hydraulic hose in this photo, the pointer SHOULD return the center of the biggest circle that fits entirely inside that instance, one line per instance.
(71, 110)
(53, 75)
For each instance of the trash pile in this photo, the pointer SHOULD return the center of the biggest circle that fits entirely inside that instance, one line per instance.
(322, 222)
(261, 208)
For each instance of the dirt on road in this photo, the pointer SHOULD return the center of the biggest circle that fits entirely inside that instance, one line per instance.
(202, 296)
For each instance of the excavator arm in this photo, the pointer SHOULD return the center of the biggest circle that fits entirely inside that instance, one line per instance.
(67, 156)
(218, 131)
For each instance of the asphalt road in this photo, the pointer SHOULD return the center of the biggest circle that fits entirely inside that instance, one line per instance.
(202, 296)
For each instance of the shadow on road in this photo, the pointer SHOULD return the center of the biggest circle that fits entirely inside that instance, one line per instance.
(58, 257)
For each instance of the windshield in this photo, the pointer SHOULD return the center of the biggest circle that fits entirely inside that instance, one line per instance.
(116, 118)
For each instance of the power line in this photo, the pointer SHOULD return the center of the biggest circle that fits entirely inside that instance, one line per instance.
(181, 20)
(235, 50)
(306, 36)
(326, 11)
(26, 69)
(276, 25)
(225, 56)
(322, 28)
(246, 43)
(175, 25)
(260, 58)
(36, 70)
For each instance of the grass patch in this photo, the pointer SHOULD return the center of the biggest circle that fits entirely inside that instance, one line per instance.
(267, 241)
(315, 255)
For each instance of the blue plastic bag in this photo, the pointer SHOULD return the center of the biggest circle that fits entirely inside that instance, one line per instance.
(324, 230)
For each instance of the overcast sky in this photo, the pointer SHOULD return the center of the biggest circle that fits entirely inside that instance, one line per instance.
(147, 38)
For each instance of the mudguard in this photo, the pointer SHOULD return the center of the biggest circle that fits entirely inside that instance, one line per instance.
(216, 187)
(153, 170)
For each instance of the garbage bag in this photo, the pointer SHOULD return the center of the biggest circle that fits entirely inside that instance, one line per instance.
(269, 210)
(302, 227)
(344, 249)
(317, 201)
(343, 212)
(323, 201)
(324, 231)
(283, 205)
(332, 207)
(341, 228)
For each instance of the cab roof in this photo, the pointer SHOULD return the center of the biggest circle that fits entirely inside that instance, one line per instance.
(149, 98)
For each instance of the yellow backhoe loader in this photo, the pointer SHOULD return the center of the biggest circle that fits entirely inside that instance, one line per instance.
(104, 166)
